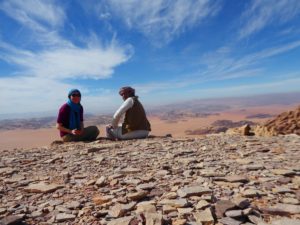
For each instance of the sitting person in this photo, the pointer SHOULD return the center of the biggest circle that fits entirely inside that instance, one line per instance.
(135, 125)
(70, 120)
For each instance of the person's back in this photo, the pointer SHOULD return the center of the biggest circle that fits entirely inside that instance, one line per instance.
(136, 124)
(135, 118)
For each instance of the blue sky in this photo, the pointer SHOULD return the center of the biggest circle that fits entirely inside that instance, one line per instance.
(169, 50)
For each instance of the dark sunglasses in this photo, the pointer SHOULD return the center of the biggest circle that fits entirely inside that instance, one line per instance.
(75, 95)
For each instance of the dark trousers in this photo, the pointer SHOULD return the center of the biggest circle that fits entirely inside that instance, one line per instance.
(89, 134)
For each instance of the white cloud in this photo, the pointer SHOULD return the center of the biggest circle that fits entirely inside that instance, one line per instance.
(94, 62)
(262, 13)
(221, 65)
(34, 13)
(38, 82)
(160, 20)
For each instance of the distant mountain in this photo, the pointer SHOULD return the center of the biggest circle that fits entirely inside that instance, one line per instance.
(220, 104)
(47, 122)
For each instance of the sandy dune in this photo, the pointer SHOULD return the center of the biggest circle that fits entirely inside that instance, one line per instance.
(43, 137)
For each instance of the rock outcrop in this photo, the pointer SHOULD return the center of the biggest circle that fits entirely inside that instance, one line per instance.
(215, 179)
(284, 123)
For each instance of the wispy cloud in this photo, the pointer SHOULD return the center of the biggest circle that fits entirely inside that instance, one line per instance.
(262, 13)
(69, 62)
(221, 64)
(160, 20)
(57, 57)
(33, 13)
(43, 73)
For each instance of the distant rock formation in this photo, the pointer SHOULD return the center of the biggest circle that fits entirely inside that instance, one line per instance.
(222, 126)
(260, 116)
(284, 123)
(243, 130)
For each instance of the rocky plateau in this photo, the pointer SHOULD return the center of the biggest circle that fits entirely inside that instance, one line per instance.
(212, 179)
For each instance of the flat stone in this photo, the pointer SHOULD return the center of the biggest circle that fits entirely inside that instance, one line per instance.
(296, 181)
(2, 210)
(156, 193)
(237, 178)
(91, 182)
(7, 171)
(204, 217)
(42, 188)
(283, 172)
(130, 170)
(254, 167)
(100, 182)
(255, 219)
(56, 202)
(99, 200)
(11, 220)
(137, 195)
(119, 210)
(184, 211)
(61, 217)
(247, 211)
(284, 180)
(168, 209)
(153, 218)
(98, 158)
(286, 221)
(170, 195)
(240, 202)
(282, 209)
(14, 179)
(281, 190)
(143, 208)
(146, 186)
(95, 149)
(234, 213)
(193, 191)
(52, 160)
(244, 161)
(212, 173)
(229, 221)
(293, 201)
(177, 203)
(222, 206)
(73, 205)
(63, 209)
(251, 193)
(179, 222)
(121, 221)
(202, 204)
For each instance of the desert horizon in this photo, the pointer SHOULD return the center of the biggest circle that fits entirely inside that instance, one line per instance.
(33, 138)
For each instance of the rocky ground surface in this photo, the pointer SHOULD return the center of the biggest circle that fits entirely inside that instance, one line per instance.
(215, 179)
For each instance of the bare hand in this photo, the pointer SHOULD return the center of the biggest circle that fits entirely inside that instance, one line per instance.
(76, 132)
(109, 126)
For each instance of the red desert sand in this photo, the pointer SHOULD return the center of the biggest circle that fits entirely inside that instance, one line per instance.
(23, 138)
